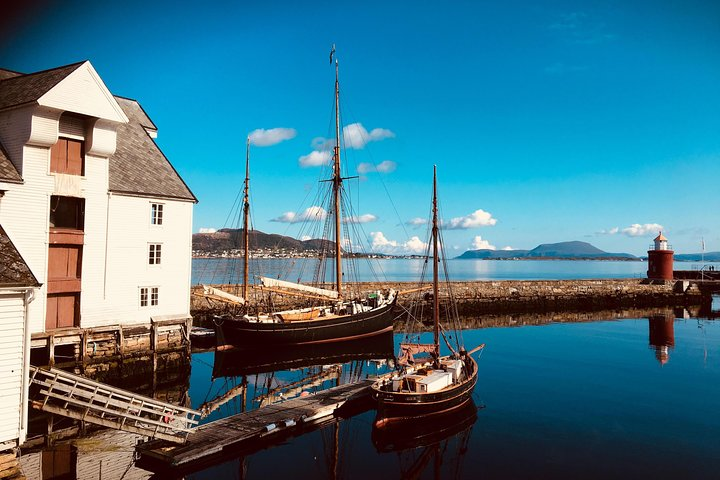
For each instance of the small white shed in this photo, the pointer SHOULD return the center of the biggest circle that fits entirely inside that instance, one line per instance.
(17, 288)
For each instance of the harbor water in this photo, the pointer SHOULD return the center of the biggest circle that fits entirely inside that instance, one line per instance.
(634, 398)
(229, 270)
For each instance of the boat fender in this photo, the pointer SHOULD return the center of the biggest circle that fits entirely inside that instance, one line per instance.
(289, 422)
(270, 427)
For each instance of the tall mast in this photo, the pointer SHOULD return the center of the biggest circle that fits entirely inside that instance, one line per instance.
(337, 185)
(246, 214)
(436, 299)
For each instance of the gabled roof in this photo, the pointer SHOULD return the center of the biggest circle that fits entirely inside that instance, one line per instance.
(4, 73)
(22, 89)
(14, 272)
(8, 172)
(138, 165)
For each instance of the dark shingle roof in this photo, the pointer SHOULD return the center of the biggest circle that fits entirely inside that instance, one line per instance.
(138, 165)
(14, 272)
(8, 74)
(8, 172)
(22, 89)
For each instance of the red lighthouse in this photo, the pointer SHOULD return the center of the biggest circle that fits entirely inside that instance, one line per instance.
(660, 260)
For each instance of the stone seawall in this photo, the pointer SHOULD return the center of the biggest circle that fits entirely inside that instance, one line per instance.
(511, 296)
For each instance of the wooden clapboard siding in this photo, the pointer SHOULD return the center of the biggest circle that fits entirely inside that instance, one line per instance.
(129, 234)
(12, 331)
(24, 214)
(83, 92)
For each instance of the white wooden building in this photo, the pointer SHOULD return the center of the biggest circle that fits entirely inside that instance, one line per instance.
(18, 287)
(95, 208)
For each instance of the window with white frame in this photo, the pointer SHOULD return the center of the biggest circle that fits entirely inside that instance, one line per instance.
(156, 213)
(149, 296)
(154, 253)
(154, 296)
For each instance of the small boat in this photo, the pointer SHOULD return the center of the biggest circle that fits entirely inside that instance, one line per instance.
(202, 337)
(433, 384)
(332, 315)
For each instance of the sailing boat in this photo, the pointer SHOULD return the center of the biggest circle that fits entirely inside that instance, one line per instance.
(336, 318)
(434, 385)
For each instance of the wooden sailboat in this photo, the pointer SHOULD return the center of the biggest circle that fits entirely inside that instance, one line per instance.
(334, 318)
(434, 385)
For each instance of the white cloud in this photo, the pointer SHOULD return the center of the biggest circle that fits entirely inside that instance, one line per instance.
(640, 230)
(315, 159)
(207, 230)
(356, 136)
(271, 136)
(368, 217)
(479, 244)
(479, 218)
(415, 245)
(311, 214)
(508, 247)
(380, 244)
(634, 230)
(417, 222)
(386, 166)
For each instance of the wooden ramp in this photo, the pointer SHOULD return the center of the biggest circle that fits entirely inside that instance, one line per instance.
(222, 438)
(62, 393)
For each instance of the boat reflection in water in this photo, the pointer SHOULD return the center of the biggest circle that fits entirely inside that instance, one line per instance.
(264, 376)
(662, 336)
(441, 438)
(235, 362)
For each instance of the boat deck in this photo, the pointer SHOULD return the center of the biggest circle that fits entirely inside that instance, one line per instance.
(229, 436)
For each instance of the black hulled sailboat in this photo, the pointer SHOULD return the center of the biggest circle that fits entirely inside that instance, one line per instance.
(330, 317)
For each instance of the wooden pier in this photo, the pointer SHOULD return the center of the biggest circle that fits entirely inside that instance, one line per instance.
(62, 393)
(228, 437)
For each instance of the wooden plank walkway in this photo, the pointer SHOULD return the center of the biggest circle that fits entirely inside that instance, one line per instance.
(63, 393)
(226, 436)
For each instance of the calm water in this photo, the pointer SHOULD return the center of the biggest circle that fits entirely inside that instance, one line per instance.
(223, 270)
(573, 400)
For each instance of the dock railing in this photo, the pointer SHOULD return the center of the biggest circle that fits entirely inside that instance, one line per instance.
(62, 393)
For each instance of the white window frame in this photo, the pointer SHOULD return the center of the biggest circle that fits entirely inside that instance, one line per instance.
(154, 254)
(154, 296)
(156, 214)
(151, 297)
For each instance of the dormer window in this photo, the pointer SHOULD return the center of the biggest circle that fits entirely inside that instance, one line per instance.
(68, 156)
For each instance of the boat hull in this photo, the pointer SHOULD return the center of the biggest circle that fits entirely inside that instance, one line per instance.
(399, 406)
(252, 334)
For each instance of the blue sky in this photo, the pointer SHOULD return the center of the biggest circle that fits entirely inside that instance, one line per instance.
(592, 121)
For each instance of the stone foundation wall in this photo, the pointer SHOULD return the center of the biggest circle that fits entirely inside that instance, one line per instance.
(503, 297)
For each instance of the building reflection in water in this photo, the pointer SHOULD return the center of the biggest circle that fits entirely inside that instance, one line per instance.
(662, 335)
(60, 448)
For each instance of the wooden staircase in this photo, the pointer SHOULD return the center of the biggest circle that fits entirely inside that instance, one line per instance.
(62, 393)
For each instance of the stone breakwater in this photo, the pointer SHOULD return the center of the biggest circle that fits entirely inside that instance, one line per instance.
(510, 296)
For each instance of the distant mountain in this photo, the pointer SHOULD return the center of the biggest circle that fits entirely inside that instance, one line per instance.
(698, 257)
(228, 239)
(565, 250)
(494, 254)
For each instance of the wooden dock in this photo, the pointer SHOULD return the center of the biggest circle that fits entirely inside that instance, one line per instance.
(227, 437)
(63, 393)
